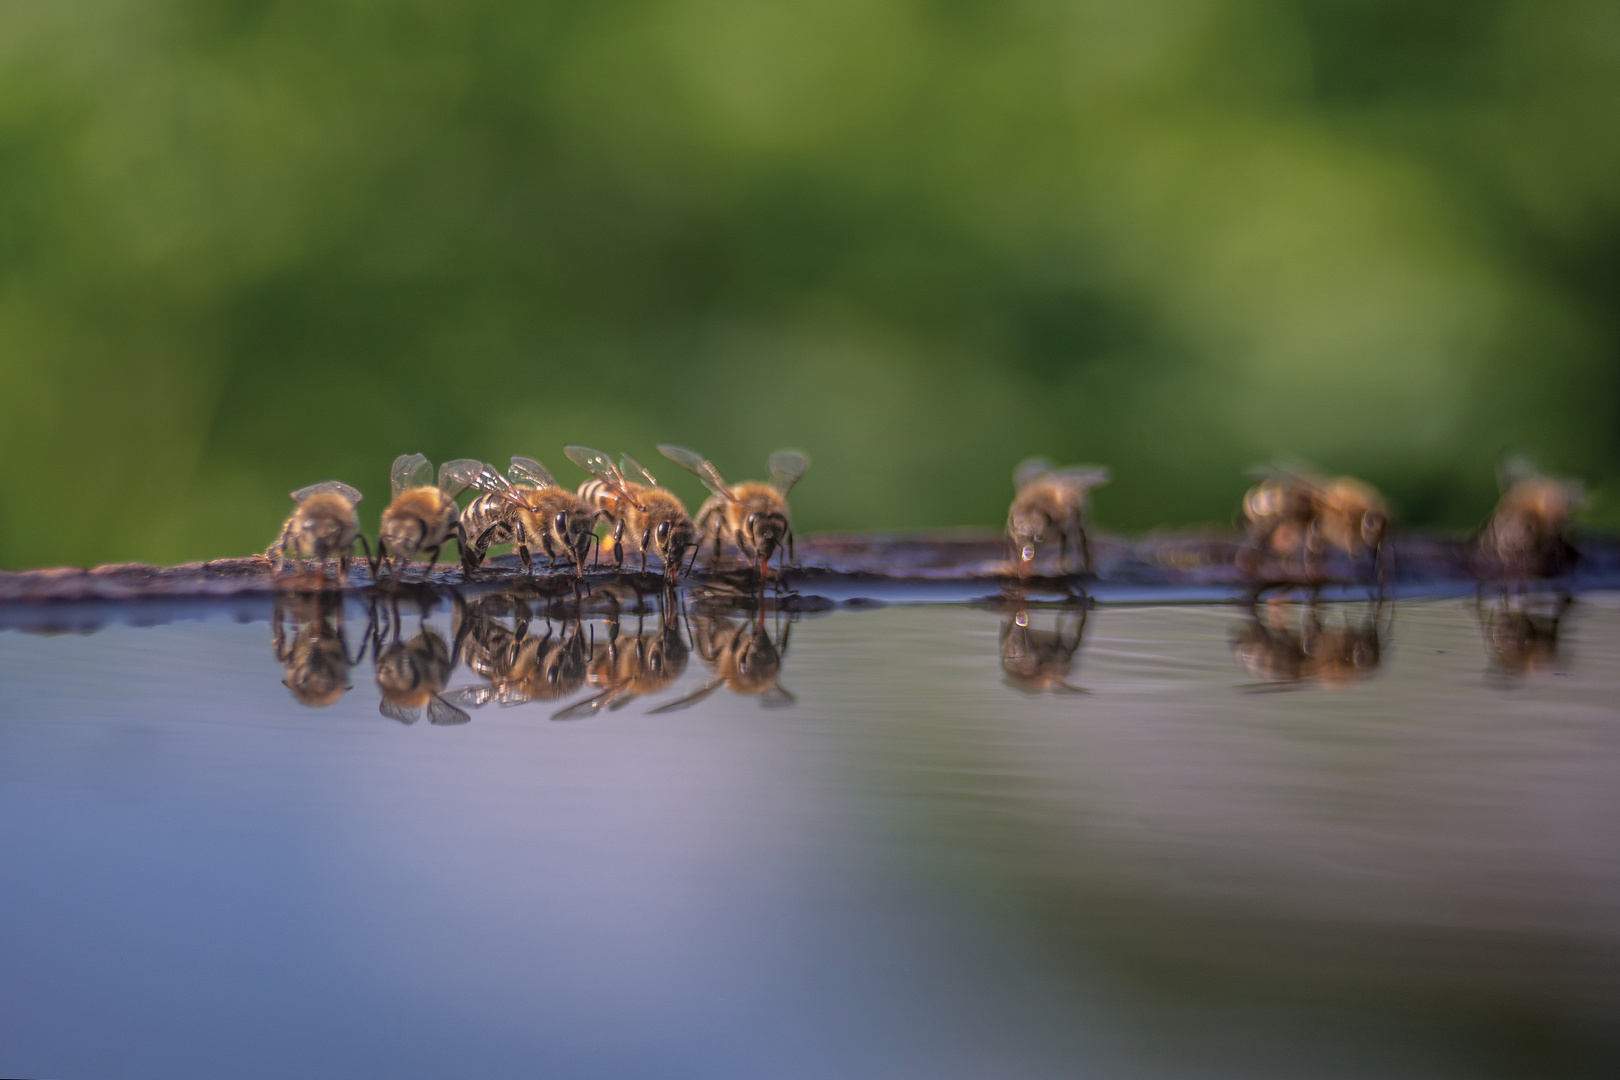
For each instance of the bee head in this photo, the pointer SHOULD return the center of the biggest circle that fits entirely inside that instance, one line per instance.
(1374, 526)
(1025, 530)
(766, 529)
(671, 540)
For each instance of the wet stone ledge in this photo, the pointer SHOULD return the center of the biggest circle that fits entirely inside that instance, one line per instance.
(955, 565)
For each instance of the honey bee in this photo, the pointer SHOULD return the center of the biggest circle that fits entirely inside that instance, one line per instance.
(1053, 499)
(648, 516)
(324, 525)
(1270, 647)
(317, 660)
(530, 508)
(627, 667)
(520, 667)
(1292, 515)
(1519, 641)
(422, 516)
(1528, 536)
(744, 658)
(754, 515)
(1039, 661)
(412, 674)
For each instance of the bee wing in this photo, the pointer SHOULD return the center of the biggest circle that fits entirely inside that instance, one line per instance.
(458, 475)
(697, 466)
(777, 697)
(1285, 468)
(1083, 478)
(410, 470)
(631, 465)
(531, 472)
(399, 712)
(601, 466)
(336, 487)
(689, 700)
(1030, 470)
(443, 713)
(596, 463)
(487, 480)
(589, 707)
(1514, 468)
(473, 697)
(787, 466)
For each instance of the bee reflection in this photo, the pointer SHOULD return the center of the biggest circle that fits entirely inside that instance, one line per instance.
(1285, 642)
(520, 664)
(628, 666)
(412, 673)
(744, 657)
(1039, 661)
(317, 659)
(1520, 640)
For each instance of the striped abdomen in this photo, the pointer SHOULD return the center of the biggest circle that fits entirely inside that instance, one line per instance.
(596, 495)
(486, 511)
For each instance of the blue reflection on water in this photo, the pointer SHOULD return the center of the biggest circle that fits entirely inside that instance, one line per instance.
(913, 869)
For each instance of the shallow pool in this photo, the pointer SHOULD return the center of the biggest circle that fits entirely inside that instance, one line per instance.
(336, 839)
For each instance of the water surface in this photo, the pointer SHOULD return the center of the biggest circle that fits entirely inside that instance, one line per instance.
(923, 841)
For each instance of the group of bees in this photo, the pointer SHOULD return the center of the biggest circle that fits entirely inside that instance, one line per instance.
(526, 508)
(1293, 520)
(525, 655)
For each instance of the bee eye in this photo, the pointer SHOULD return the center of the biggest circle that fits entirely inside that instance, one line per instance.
(561, 522)
(663, 531)
(751, 519)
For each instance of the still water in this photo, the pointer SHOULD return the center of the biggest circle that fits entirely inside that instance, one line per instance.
(932, 840)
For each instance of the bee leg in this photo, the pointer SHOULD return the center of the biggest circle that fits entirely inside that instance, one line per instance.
(434, 551)
(646, 538)
(618, 543)
(364, 546)
(461, 547)
(1086, 566)
(792, 558)
(343, 568)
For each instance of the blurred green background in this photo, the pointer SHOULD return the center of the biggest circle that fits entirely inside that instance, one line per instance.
(250, 244)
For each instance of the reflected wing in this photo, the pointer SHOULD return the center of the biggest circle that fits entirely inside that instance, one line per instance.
(473, 697)
(1030, 470)
(787, 466)
(631, 465)
(336, 487)
(526, 470)
(698, 467)
(777, 697)
(410, 470)
(1083, 478)
(399, 712)
(457, 476)
(689, 700)
(601, 466)
(589, 707)
(443, 713)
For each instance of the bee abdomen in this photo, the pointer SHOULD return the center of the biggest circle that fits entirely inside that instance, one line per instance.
(598, 496)
(484, 512)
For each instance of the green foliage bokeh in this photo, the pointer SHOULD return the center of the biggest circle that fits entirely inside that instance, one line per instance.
(246, 245)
